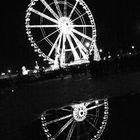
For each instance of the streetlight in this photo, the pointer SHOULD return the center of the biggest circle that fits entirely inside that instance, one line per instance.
(9, 71)
(133, 47)
(100, 50)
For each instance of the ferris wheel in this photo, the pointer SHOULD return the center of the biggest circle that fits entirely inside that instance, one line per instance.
(63, 32)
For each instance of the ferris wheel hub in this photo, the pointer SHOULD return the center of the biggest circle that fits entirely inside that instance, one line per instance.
(79, 112)
(65, 25)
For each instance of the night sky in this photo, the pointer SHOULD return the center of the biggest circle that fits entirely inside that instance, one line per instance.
(117, 22)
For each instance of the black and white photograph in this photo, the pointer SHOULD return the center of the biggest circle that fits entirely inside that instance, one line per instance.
(70, 70)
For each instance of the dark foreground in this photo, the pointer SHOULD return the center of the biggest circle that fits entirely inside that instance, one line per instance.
(20, 109)
(123, 122)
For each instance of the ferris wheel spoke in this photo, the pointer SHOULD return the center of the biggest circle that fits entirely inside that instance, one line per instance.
(71, 131)
(65, 8)
(82, 35)
(66, 110)
(79, 45)
(59, 119)
(95, 116)
(79, 17)
(82, 26)
(92, 124)
(50, 9)
(78, 131)
(59, 45)
(58, 8)
(73, 9)
(41, 26)
(43, 15)
(62, 58)
(54, 45)
(90, 102)
(58, 52)
(63, 128)
(76, 56)
(48, 40)
(48, 36)
(96, 106)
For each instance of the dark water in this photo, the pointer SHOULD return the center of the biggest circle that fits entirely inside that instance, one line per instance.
(123, 122)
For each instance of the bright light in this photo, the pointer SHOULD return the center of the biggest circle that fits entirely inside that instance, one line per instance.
(109, 56)
(100, 50)
(130, 53)
(87, 44)
(97, 102)
(64, 24)
(24, 71)
(44, 59)
(2, 74)
(104, 58)
(36, 50)
(133, 47)
(9, 71)
(12, 90)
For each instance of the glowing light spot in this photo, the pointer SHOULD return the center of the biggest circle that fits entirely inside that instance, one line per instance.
(96, 102)
(109, 56)
(87, 44)
(3, 74)
(9, 71)
(133, 47)
(100, 50)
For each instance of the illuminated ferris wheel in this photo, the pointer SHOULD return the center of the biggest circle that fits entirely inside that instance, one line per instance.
(63, 32)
